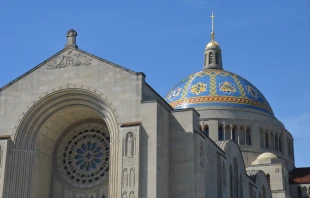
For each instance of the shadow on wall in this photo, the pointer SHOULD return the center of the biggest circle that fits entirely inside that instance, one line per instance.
(143, 158)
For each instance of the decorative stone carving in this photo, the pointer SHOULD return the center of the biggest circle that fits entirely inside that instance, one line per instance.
(132, 194)
(130, 145)
(130, 161)
(74, 60)
(201, 154)
(125, 178)
(132, 177)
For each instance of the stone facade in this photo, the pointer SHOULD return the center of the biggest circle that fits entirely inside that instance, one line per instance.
(78, 126)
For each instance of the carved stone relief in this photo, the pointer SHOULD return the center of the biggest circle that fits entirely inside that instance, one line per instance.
(132, 194)
(130, 162)
(125, 178)
(132, 177)
(129, 148)
(73, 60)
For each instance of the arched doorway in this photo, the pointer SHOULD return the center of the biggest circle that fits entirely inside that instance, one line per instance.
(66, 145)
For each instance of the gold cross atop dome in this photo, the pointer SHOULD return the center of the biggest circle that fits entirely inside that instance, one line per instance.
(212, 54)
(212, 44)
(212, 33)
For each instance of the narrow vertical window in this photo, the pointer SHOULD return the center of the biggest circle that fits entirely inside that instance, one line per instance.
(210, 58)
(217, 58)
(298, 191)
(268, 178)
(231, 181)
(267, 140)
(206, 130)
(234, 134)
(248, 136)
(220, 133)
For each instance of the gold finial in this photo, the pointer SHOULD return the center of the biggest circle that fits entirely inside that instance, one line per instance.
(212, 33)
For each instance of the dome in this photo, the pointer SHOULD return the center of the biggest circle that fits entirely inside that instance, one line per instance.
(213, 44)
(216, 87)
(266, 156)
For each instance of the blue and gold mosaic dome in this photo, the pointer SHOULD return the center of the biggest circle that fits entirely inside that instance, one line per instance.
(217, 87)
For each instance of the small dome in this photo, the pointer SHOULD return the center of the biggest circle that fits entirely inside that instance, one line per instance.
(213, 44)
(267, 156)
(216, 87)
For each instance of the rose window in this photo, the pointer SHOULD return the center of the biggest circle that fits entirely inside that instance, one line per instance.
(83, 161)
(88, 156)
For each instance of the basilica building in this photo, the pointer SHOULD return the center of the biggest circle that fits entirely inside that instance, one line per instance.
(79, 126)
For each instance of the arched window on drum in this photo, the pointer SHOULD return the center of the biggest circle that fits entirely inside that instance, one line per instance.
(206, 130)
(234, 134)
(248, 136)
(220, 132)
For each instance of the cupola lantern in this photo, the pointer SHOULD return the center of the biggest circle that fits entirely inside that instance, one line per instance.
(213, 52)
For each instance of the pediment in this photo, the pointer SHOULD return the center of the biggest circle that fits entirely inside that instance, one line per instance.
(68, 58)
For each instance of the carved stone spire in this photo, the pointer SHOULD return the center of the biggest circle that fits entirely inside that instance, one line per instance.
(213, 52)
(71, 38)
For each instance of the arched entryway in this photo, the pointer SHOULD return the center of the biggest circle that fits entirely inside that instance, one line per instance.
(70, 120)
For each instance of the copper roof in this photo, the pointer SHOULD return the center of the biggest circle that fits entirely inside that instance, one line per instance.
(300, 176)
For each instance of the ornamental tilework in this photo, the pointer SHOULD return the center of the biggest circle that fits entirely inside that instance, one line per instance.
(214, 87)
(175, 93)
(252, 92)
(227, 87)
(198, 88)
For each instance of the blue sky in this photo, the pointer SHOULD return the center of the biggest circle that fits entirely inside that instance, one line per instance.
(266, 42)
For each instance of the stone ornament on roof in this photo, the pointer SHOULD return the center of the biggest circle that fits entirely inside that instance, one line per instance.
(70, 60)
(71, 38)
(71, 33)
